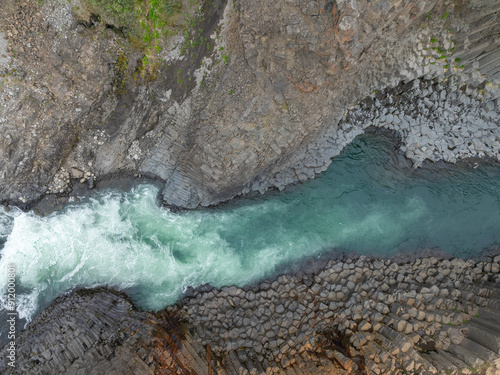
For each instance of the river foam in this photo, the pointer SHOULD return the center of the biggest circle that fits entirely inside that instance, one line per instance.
(363, 203)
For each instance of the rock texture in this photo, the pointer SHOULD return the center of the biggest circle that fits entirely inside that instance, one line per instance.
(284, 87)
(355, 316)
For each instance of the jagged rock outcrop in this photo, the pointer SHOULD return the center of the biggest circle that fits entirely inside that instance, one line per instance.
(279, 88)
(355, 316)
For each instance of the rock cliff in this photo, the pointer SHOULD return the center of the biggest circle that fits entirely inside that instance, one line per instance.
(352, 316)
(242, 96)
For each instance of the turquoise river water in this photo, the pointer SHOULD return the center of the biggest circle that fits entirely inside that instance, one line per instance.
(364, 203)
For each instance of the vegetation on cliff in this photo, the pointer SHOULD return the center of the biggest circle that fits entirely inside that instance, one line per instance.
(147, 24)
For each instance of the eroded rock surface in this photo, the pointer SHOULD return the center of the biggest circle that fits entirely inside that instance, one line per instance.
(279, 88)
(355, 316)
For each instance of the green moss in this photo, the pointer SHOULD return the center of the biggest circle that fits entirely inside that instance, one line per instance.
(119, 80)
(198, 40)
(146, 23)
(119, 13)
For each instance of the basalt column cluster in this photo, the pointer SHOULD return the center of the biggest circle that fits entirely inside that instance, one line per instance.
(358, 315)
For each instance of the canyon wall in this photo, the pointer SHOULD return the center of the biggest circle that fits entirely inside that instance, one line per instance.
(352, 316)
(250, 96)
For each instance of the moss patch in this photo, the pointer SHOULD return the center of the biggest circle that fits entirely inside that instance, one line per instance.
(147, 24)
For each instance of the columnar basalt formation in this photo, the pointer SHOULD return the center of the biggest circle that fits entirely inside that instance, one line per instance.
(277, 90)
(355, 316)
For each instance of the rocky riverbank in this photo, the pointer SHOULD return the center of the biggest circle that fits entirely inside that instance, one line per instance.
(352, 316)
(275, 90)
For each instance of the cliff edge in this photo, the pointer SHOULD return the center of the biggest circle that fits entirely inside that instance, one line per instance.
(221, 98)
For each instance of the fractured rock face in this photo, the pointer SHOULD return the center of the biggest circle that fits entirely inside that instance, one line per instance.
(428, 316)
(284, 86)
